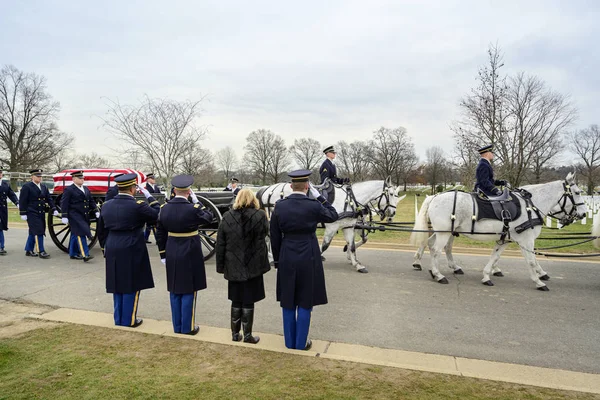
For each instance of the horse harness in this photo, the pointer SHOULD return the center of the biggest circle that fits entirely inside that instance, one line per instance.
(562, 202)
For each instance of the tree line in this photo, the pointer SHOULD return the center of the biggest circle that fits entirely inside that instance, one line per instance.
(529, 124)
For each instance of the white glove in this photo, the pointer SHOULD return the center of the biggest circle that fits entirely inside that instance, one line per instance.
(314, 192)
(97, 214)
(55, 213)
(24, 217)
(145, 192)
(194, 197)
(164, 261)
(65, 221)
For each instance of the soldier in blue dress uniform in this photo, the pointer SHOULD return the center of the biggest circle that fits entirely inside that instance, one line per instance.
(233, 186)
(6, 193)
(76, 205)
(113, 190)
(121, 236)
(34, 201)
(180, 250)
(300, 275)
(328, 170)
(150, 187)
(484, 174)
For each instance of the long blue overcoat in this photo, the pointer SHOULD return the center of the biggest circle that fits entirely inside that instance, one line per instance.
(6, 193)
(77, 205)
(35, 202)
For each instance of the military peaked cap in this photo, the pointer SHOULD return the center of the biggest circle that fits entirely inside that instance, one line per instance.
(36, 172)
(236, 180)
(150, 175)
(77, 174)
(329, 149)
(182, 182)
(485, 149)
(126, 180)
(300, 175)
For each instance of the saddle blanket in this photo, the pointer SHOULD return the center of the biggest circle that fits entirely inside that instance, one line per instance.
(494, 209)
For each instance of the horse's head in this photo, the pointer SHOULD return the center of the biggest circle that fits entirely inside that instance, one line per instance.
(571, 205)
(385, 204)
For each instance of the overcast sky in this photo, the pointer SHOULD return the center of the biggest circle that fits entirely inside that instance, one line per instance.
(332, 70)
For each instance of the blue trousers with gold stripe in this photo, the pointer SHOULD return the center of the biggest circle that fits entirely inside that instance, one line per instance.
(35, 243)
(183, 312)
(126, 305)
(1, 239)
(78, 246)
(295, 327)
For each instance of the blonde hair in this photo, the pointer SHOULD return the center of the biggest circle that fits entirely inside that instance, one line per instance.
(245, 199)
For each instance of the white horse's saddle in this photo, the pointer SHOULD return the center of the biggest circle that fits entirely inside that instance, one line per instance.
(503, 208)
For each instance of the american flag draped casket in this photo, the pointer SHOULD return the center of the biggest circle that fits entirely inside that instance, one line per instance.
(97, 180)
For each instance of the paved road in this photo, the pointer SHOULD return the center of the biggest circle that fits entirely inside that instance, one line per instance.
(391, 307)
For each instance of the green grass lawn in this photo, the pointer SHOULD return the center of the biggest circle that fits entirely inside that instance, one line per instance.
(80, 362)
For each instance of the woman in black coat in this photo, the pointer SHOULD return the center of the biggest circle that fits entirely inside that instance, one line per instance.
(243, 259)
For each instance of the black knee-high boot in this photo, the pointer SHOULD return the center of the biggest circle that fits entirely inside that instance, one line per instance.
(247, 321)
(236, 323)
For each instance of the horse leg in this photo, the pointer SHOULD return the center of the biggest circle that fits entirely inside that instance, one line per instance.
(451, 263)
(349, 236)
(543, 275)
(487, 270)
(327, 238)
(419, 256)
(532, 264)
(498, 250)
(436, 244)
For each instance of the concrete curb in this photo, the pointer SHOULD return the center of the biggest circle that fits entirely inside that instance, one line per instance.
(481, 369)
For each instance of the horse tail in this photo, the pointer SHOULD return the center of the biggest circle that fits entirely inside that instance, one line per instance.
(596, 231)
(418, 238)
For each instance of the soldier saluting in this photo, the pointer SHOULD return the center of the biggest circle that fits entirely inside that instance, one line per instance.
(34, 200)
(180, 249)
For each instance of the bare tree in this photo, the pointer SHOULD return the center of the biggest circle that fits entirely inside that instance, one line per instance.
(266, 154)
(163, 130)
(194, 160)
(133, 158)
(586, 144)
(307, 153)
(353, 160)
(226, 160)
(66, 159)
(434, 169)
(92, 160)
(388, 150)
(29, 135)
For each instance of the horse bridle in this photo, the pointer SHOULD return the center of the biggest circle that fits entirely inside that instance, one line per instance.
(569, 217)
(384, 194)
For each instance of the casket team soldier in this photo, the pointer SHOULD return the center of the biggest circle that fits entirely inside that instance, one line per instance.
(34, 201)
(121, 236)
(300, 275)
(6, 193)
(76, 205)
(180, 250)
(152, 188)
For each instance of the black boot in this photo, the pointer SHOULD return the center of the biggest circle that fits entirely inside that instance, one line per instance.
(236, 323)
(247, 321)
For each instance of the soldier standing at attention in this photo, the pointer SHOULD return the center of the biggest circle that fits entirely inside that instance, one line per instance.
(34, 200)
(6, 193)
(76, 205)
(180, 250)
(121, 236)
(328, 170)
(300, 275)
(151, 188)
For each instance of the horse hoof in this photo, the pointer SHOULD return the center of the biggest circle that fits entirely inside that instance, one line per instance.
(443, 281)
(543, 289)
(488, 283)
(458, 272)
(499, 273)
(544, 278)
(323, 258)
(345, 248)
(417, 267)
(363, 270)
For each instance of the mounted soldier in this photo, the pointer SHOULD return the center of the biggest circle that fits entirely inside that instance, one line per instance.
(328, 170)
(233, 186)
(484, 173)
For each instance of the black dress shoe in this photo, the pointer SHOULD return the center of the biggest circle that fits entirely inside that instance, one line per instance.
(88, 258)
(194, 331)
(149, 242)
(76, 257)
(308, 344)
(138, 322)
(2, 252)
(31, 254)
(43, 254)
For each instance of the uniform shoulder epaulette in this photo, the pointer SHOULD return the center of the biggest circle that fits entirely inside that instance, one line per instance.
(140, 201)
(162, 205)
(197, 205)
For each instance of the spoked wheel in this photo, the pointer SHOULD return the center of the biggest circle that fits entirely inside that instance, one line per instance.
(61, 233)
(208, 233)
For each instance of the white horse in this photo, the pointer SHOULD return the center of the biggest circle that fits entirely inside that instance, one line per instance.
(557, 198)
(380, 195)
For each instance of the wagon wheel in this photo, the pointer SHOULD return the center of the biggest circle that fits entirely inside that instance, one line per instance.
(61, 233)
(208, 233)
